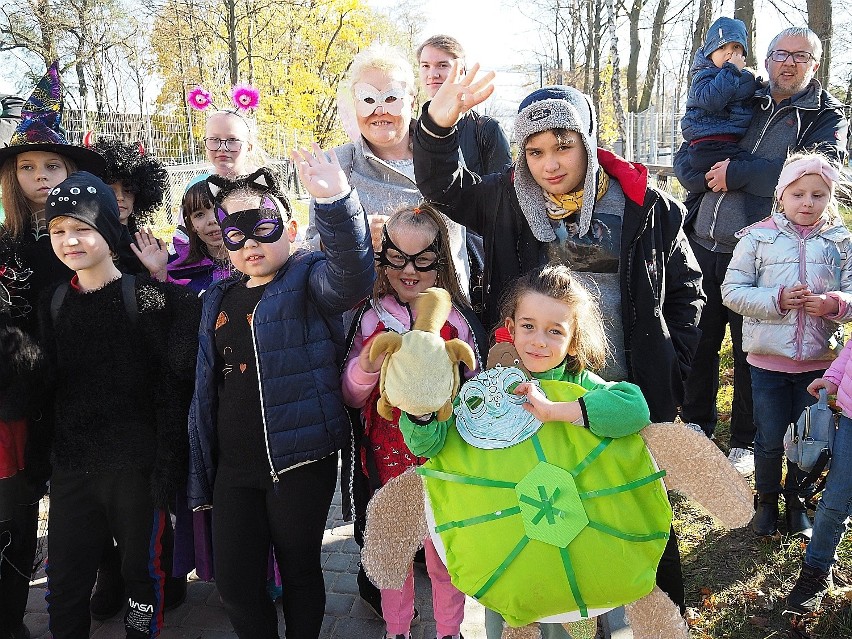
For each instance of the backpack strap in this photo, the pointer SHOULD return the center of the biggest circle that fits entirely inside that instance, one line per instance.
(128, 297)
(57, 299)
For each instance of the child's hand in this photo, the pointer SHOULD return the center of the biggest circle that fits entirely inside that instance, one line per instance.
(458, 94)
(822, 382)
(793, 298)
(738, 60)
(320, 172)
(364, 360)
(545, 410)
(377, 223)
(819, 305)
(152, 253)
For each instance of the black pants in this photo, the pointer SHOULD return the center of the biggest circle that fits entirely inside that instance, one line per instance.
(248, 515)
(703, 155)
(18, 541)
(699, 404)
(87, 510)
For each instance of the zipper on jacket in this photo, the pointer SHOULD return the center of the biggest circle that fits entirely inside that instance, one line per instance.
(800, 317)
(272, 471)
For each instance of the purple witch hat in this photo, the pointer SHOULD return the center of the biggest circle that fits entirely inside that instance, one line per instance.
(41, 129)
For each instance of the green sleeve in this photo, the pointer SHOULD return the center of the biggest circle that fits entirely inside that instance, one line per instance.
(425, 440)
(612, 409)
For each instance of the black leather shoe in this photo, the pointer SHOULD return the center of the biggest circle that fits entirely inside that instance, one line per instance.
(765, 521)
(798, 522)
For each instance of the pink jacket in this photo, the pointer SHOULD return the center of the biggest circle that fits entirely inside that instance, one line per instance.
(356, 383)
(840, 373)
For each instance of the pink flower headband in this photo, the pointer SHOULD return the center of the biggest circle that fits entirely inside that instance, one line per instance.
(244, 96)
(809, 165)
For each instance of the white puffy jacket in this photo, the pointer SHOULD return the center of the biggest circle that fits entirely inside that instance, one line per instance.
(771, 255)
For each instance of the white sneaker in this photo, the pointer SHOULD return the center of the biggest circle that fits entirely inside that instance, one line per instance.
(743, 460)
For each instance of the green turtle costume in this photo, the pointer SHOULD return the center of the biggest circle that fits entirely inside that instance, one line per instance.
(566, 524)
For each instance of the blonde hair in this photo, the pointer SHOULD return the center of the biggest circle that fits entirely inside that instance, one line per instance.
(16, 206)
(556, 281)
(840, 186)
(426, 218)
(381, 57)
(256, 157)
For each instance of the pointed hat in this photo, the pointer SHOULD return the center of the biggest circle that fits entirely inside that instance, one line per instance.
(41, 129)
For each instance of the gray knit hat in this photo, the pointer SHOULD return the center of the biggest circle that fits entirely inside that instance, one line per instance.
(555, 107)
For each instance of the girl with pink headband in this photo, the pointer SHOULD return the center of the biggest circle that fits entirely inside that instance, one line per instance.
(790, 278)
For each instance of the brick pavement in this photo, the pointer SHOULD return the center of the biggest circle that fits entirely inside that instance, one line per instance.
(202, 615)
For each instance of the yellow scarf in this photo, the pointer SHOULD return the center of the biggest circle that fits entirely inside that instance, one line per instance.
(570, 203)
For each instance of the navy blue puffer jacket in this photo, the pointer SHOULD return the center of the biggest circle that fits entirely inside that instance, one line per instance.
(299, 341)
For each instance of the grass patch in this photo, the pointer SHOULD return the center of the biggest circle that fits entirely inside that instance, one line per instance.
(736, 584)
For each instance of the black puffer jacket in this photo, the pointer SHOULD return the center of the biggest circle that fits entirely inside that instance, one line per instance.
(661, 296)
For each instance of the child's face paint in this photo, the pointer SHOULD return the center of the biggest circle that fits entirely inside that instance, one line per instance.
(78, 245)
(206, 227)
(805, 200)
(408, 282)
(262, 249)
(542, 330)
(38, 172)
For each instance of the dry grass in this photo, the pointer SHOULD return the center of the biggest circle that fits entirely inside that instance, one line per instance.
(736, 583)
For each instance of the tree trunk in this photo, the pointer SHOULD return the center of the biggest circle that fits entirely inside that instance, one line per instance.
(616, 71)
(231, 27)
(744, 10)
(654, 55)
(633, 60)
(819, 21)
(702, 23)
(595, 38)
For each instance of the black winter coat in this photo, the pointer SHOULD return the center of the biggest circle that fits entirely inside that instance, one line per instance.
(661, 296)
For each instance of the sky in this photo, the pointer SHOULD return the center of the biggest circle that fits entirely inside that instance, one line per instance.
(497, 35)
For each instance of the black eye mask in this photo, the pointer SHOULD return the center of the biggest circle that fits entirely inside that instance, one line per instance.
(387, 243)
(246, 224)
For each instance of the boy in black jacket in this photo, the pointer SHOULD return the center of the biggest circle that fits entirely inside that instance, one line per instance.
(123, 352)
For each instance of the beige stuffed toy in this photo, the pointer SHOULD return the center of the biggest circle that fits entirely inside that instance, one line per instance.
(420, 374)
(396, 524)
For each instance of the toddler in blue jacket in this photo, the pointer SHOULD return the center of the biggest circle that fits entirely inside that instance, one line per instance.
(718, 109)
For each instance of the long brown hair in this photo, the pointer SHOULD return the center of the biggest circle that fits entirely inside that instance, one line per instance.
(423, 217)
(16, 206)
(556, 281)
(197, 197)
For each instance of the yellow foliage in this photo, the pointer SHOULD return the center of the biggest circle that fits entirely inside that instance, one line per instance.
(295, 54)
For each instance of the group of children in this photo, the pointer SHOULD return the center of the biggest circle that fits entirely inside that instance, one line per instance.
(130, 363)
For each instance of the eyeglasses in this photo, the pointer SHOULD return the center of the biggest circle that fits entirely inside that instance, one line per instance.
(799, 57)
(230, 144)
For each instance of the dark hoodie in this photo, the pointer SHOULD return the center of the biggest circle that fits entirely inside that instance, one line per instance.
(719, 99)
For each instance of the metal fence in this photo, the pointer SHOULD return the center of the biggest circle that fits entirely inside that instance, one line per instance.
(653, 137)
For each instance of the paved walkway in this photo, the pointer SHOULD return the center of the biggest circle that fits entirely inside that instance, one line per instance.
(202, 615)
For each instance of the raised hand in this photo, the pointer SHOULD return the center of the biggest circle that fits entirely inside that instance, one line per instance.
(320, 172)
(459, 95)
(152, 253)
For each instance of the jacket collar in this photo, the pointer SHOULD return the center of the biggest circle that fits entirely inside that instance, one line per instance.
(632, 177)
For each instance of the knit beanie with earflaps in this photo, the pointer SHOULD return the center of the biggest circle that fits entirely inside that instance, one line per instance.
(555, 107)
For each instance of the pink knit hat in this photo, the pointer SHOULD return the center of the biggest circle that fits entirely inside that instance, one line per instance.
(813, 164)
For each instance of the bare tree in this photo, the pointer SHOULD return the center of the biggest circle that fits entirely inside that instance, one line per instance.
(819, 20)
(744, 10)
(616, 70)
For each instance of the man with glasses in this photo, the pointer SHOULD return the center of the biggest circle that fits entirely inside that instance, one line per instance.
(791, 113)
